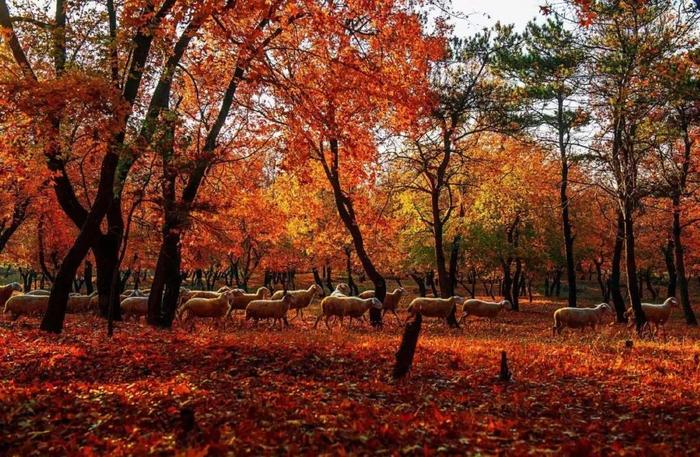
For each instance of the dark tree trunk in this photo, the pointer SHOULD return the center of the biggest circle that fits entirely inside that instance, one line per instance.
(690, 318)
(58, 300)
(615, 272)
(604, 291)
(19, 214)
(454, 260)
(668, 251)
(507, 282)
(556, 285)
(515, 285)
(420, 282)
(348, 267)
(317, 278)
(631, 267)
(328, 273)
(89, 288)
(430, 281)
(568, 235)
(106, 261)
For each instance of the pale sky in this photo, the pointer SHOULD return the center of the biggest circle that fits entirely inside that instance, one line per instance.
(484, 13)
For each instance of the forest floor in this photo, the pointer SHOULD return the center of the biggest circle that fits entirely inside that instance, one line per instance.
(299, 391)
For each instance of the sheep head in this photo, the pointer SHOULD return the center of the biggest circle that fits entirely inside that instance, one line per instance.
(458, 300)
(263, 292)
(318, 290)
(506, 304)
(671, 301)
(16, 287)
(604, 307)
(343, 288)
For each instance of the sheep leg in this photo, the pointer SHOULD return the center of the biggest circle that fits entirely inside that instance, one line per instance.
(398, 319)
(318, 319)
(327, 326)
(461, 319)
(286, 323)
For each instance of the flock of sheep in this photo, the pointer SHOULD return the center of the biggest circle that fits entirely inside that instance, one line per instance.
(222, 305)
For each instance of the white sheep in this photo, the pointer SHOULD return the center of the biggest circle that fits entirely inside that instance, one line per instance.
(341, 290)
(657, 315)
(134, 307)
(434, 307)
(391, 300)
(7, 290)
(300, 299)
(42, 292)
(481, 308)
(275, 309)
(19, 305)
(80, 303)
(216, 308)
(240, 301)
(578, 317)
(342, 306)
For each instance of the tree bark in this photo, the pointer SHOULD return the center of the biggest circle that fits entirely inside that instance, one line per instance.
(631, 267)
(515, 285)
(566, 224)
(615, 272)
(669, 253)
(682, 278)
(346, 211)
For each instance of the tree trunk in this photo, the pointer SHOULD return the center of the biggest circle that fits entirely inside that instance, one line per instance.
(89, 288)
(599, 276)
(690, 318)
(515, 285)
(420, 282)
(615, 272)
(317, 278)
(454, 260)
(58, 299)
(631, 267)
(568, 236)
(669, 252)
(106, 261)
(507, 283)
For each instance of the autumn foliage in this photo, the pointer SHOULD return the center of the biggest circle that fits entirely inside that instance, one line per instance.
(159, 149)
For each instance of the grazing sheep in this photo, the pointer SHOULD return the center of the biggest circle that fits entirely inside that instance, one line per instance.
(190, 294)
(391, 300)
(42, 292)
(578, 317)
(6, 291)
(341, 290)
(19, 305)
(341, 306)
(300, 298)
(275, 309)
(657, 315)
(240, 300)
(481, 308)
(434, 307)
(134, 307)
(80, 303)
(216, 308)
